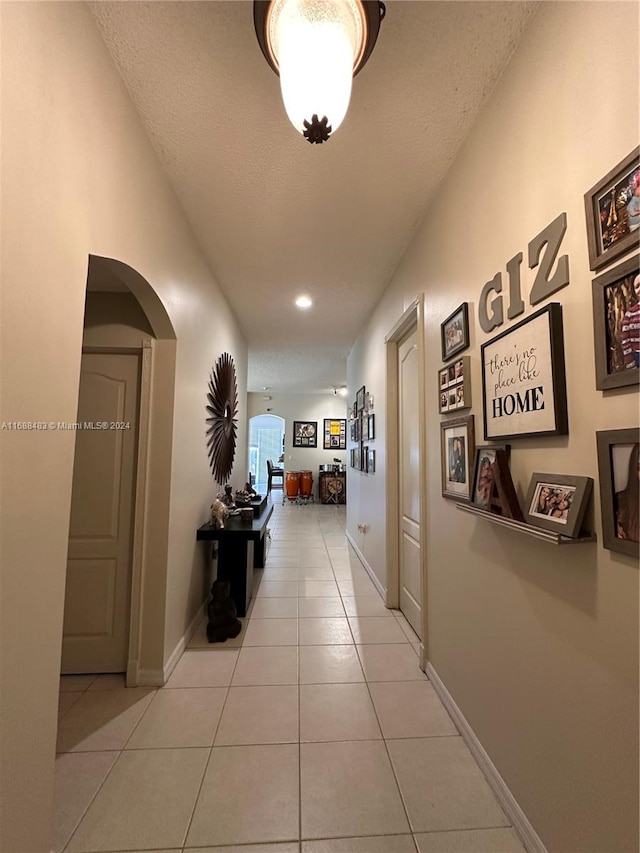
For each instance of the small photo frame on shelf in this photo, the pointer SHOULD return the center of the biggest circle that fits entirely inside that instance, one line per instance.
(558, 502)
(616, 325)
(454, 332)
(524, 392)
(457, 449)
(371, 461)
(305, 433)
(618, 461)
(483, 474)
(454, 386)
(335, 434)
(612, 210)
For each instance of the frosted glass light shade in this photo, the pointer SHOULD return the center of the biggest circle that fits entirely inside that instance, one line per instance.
(317, 45)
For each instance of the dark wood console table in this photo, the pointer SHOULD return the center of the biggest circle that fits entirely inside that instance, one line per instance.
(241, 549)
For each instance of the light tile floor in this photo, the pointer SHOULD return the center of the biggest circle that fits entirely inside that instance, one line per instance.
(313, 731)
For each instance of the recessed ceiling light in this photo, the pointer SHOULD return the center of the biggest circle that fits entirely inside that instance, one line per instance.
(303, 302)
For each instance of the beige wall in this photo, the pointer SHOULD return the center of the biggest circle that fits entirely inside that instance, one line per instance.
(537, 644)
(79, 177)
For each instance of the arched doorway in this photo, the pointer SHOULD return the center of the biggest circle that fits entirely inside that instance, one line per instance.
(125, 321)
(266, 441)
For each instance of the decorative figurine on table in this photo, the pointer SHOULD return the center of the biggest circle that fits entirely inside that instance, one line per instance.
(219, 514)
(244, 496)
(222, 613)
(227, 498)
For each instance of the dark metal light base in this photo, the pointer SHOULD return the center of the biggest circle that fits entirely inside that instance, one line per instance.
(317, 130)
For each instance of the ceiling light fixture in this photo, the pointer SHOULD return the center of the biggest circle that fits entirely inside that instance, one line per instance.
(304, 302)
(317, 47)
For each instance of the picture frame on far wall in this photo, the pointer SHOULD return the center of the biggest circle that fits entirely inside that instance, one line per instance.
(618, 460)
(457, 454)
(558, 502)
(335, 434)
(616, 325)
(454, 332)
(360, 396)
(305, 433)
(612, 209)
(524, 391)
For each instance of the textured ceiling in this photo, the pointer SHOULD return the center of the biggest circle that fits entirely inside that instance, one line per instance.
(276, 216)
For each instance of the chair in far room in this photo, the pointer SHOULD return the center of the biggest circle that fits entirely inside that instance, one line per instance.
(274, 474)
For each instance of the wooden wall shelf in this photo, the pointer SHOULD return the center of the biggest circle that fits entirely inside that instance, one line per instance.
(528, 529)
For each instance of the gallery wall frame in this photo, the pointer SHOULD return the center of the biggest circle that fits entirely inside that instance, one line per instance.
(524, 391)
(618, 461)
(612, 209)
(558, 502)
(482, 483)
(454, 386)
(454, 332)
(371, 460)
(457, 455)
(305, 433)
(616, 318)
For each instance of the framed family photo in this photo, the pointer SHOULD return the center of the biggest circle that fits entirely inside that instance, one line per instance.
(454, 332)
(612, 209)
(454, 386)
(618, 468)
(457, 449)
(558, 502)
(482, 482)
(523, 379)
(616, 325)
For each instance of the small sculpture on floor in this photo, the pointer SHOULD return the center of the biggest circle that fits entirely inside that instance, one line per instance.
(223, 624)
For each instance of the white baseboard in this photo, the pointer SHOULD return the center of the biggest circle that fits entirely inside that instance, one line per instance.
(159, 677)
(150, 678)
(529, 837)
(367, 567)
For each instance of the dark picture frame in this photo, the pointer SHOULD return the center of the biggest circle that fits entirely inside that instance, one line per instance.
(558, 502)
(616, 311)
(454, 332)
(454, 386)
(305, 433)
(371, 427)
(360, 400)
(524, 391)
(371, 461)
(483, 475)
(335, 434)
(618, 459)
(457, 456)
(612, 225)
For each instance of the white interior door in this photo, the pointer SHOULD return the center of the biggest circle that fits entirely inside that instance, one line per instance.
(409, 481)
(98, 590)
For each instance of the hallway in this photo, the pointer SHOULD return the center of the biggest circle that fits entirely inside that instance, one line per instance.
(316, 723)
